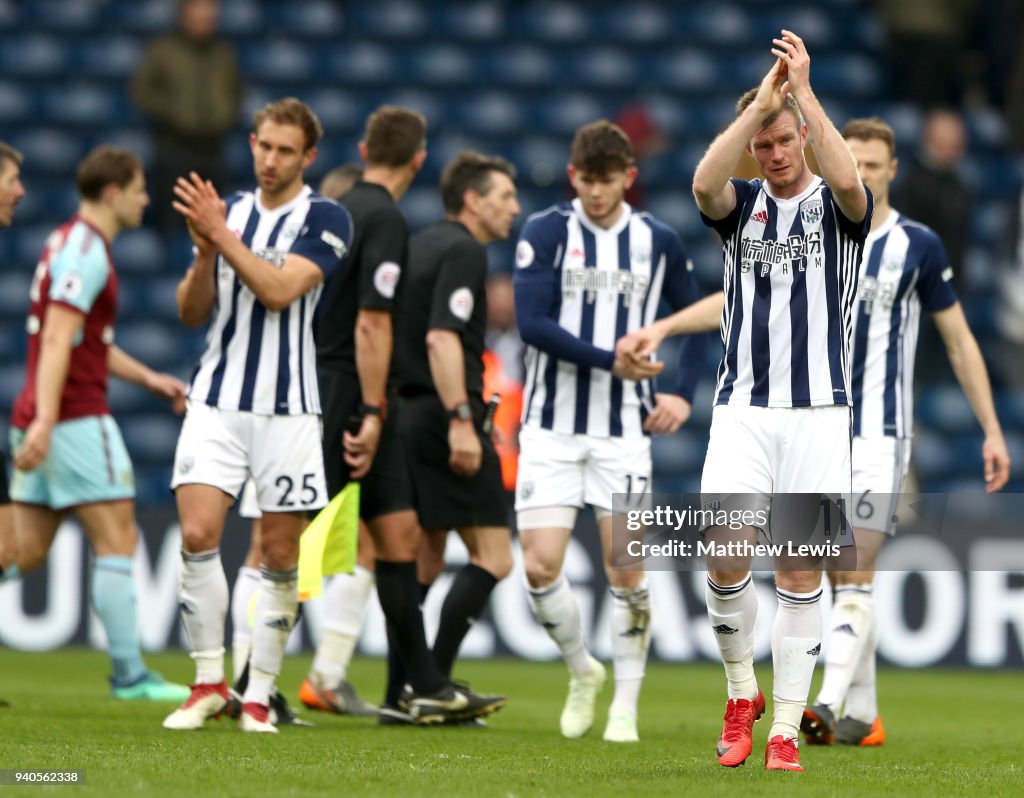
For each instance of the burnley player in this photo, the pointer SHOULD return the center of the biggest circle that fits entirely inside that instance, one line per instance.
(68, 451)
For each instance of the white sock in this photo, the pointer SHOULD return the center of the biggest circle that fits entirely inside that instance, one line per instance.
(555, 608)
(246, 584)
(862, 698)
(277, 604)
(796, 643)
(631, 638)
(344, 603)
(851, 620)
(732, 610)
(203, 593)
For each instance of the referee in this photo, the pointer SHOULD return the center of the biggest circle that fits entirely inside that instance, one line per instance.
(354, 346)
(455, 471)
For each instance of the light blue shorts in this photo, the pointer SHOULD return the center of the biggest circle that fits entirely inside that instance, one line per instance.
(87, 463)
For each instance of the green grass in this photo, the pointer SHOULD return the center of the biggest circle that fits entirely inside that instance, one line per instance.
(950, 733)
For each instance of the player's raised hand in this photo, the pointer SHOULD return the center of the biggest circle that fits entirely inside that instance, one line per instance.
(770, 94)
(997, 462)
(626, 368)
(200, 204)
(792, 53)
(670, 413)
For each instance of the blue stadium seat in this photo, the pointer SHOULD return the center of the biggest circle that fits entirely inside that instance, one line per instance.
(32, 56)
(360, 63)
(390, 19)
(14, 288)
(541, 160)
(932, 457)
(494, 112)
(242, 17)
(442, 65)
(676, 209)
(945, 408)
(482, 20)
(15, 103)
(637, 23)
(9, 15)
(114, 57)
(429, 103)
(552, 22)
(152, 342)
(847, 75)
(69, 16)
(563, 113)
(310, 19)
(150, 17)
(49, 150)
(688, 70)
(521, 65)
(601, 67)
(813, 24)
(12, 378)
(678, 455)
(29, 247)
(277, 61)
(137, 139)
(152, 482)
(80, 105)
(717, 24)
(338, 110)
(12, 343)
(422, 207)
(140, 251)
(151, 437)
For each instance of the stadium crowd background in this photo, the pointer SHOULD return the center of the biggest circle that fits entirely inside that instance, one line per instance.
(518, 79)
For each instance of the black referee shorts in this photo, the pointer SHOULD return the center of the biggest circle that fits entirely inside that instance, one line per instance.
(5, 496)
(443, 499)
(386, 489)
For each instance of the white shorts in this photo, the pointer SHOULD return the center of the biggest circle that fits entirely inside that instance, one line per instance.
(880, 467)
(248, 505)
(559, 470)
(766, 450)
(759, 452)
(282, 454)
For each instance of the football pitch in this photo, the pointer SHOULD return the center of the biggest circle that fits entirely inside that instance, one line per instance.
(950, 732)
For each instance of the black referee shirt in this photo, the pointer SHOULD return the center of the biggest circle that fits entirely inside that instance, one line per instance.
(445, 282)
(373, 282)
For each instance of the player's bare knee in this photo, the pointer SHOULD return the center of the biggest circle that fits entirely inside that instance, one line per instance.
(798, 581)
(197, 536)
(540, 571)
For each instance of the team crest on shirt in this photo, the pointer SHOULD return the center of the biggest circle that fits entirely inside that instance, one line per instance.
(69, 287)
(186, 465)
(640, 255)
(526, 490)
(811, 211)
(460, 303)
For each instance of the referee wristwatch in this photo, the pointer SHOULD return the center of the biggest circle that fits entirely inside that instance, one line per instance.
(461, 412)
(380, 411)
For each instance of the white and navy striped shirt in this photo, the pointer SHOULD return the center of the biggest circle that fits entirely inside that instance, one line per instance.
(790, 279)
(264, 361)
(905, 269)
(579, 288)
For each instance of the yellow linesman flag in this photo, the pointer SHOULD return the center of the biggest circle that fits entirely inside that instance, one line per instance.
(328, 545)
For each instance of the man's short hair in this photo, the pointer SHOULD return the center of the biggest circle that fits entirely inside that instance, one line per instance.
(104, 166)
(291, 111)
(8, 153)
(470, 171)
(394, 135)
(747, 98)
(871, 128)
(601, 148)
(340, 179)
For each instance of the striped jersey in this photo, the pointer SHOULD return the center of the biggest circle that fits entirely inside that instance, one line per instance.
(579, 288)
(259, 360)
(790, 280)
(76, 271)
(905, 269)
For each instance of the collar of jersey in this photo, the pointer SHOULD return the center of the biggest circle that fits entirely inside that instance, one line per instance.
(887, 225)
(817, 181)
(615, 229)
(288, 206)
